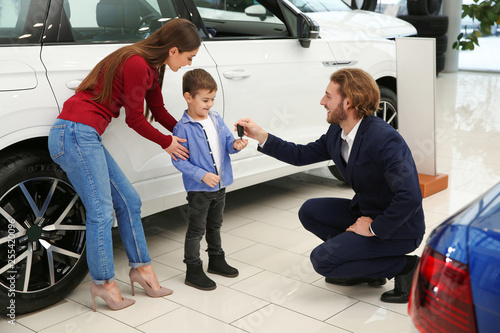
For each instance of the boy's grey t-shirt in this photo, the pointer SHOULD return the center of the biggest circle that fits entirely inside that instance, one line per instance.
(213, 139)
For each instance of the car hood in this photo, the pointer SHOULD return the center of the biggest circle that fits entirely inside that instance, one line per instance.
(365, 21)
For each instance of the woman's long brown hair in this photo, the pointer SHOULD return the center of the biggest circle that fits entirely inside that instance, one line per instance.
(179, 33)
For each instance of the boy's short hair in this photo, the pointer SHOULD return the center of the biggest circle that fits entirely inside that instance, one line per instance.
(198, 79)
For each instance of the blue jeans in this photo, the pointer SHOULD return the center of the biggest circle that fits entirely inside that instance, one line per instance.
(102, 187)
(205, 210)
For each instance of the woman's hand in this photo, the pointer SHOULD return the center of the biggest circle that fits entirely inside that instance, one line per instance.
(239, 144)
(176, 149)
(362, 226)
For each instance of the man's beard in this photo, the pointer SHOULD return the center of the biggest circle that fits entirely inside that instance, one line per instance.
(337, 115)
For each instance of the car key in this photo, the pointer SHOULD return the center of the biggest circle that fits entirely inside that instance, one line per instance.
(240, 130)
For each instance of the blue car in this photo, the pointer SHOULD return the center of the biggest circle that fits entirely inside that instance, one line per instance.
(457, 285)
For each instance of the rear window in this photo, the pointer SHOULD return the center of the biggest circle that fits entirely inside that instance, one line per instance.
(22, 21)
(121, 21)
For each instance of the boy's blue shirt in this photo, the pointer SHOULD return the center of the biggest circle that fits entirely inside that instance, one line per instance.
(200, 160)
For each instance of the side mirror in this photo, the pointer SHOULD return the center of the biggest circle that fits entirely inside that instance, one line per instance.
(256, 11)
(307, 29)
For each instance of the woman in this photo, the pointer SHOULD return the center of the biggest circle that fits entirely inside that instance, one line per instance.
(125, 78)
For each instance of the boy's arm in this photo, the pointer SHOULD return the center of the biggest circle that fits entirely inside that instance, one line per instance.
(185, 166)
(228, 136)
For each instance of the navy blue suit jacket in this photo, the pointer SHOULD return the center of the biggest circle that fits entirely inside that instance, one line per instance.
(381, 171)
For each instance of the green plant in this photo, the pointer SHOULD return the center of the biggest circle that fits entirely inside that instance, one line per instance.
(486, 13)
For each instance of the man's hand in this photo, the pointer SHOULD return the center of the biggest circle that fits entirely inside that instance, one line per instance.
(362, 226)
(252, 130)
(211, 179)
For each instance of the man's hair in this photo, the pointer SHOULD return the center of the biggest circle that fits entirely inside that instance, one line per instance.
(360, 88)
(198, 79)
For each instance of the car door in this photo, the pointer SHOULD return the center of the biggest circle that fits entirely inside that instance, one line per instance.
(82, 40)
(22, 75)
(267, 75)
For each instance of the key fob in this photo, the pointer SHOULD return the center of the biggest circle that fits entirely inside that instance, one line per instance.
(240, 130)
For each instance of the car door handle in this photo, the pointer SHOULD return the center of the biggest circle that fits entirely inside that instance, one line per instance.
(237, 74)
(73, 84)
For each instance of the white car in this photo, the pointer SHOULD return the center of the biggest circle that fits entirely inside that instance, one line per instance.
(274, 71)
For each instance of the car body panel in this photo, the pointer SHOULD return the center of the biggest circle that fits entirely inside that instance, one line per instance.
(472, 237)
(21, 118)
(361, 21)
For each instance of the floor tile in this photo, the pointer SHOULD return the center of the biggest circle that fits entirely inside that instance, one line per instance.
(12, 326)
(273, 319)
(285, 263)
(367, 318)
(54, 314)
(295, 295)
(90, 322)
(223, 303)
(187, 320)
(277, 237)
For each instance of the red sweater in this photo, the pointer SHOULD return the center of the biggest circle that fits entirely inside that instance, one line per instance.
(131, 86)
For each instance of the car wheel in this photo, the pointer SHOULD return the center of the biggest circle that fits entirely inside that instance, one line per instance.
(42, 232)
(423, 7)
(387, 110)
(388, 107)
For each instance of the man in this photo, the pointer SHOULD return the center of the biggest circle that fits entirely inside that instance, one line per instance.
(366, 239)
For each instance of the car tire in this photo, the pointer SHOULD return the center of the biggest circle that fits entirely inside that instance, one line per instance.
(441, 44)
(42, 228)
(440, 63)
(428, 26)
(364, 4)
(423, 7)
(369, 5)
(387, 110)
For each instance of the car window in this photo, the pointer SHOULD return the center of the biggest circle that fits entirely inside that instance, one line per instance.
(123, 21)
(239, 18)
(21, 22)
(311, 6)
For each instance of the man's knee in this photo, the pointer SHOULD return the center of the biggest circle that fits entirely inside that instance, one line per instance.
(322, 259)
(305, 215)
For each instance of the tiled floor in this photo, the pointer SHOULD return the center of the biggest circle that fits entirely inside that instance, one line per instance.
(277, 289)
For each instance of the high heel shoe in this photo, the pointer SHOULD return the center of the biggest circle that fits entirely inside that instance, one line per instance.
(135, 276)
(99, 290)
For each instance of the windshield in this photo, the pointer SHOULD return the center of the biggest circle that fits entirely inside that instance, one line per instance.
(311, 6)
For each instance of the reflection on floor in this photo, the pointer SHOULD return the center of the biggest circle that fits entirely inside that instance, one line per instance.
(277, 289)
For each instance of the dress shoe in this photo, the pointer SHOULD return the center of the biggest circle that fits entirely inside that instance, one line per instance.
(99, 290)
(135, 276)
(372, 282)
(402, 288)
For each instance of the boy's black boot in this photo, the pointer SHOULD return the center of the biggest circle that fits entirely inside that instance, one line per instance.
(196, 277)
(217, 265)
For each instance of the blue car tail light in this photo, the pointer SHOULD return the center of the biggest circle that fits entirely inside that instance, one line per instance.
(441, 297)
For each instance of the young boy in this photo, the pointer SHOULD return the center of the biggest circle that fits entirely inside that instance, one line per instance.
(206, 174)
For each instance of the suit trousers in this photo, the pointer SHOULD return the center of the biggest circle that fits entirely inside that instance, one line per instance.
(345, 254)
